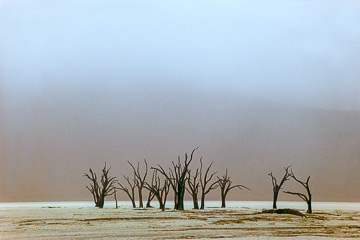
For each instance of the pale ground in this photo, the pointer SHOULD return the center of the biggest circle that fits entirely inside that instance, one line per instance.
(82, 221)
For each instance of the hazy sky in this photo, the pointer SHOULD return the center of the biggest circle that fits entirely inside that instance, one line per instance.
(73, 71)
(304, 51)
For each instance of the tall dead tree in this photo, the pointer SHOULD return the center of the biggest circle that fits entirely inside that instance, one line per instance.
(129, 191)
(277, 186)
(307, 198)
(100, 190)
(158, 190)
(225, 185)
(177, 177)
(204, 181)
(150, 195)
(140, 180)
(193, 187)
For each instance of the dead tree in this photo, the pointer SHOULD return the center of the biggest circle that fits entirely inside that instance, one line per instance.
(225, 185)
(204, 181)
(177, 177)
(158, 190)
(150, 195)
(129, 191)
(100, 190)
(140, 180)
(193, 187)
(276, 186)
(307, 198)
(149, 199)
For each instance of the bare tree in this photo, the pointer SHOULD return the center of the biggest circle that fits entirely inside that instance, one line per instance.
(193, 187)
(158, 190)
(129, 191)
(140, 180)
(177, 177)
(225, 185)
(307, 198)
(277, 186)
(150, 195)
(204, 181)
(149, 199)
(100, 190)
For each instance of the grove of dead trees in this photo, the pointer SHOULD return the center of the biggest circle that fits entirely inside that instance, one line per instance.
(179, 178)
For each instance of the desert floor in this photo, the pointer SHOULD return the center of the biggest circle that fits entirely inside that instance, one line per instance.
(83, 221)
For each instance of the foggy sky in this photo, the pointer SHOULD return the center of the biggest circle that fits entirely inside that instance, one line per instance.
(83, 82)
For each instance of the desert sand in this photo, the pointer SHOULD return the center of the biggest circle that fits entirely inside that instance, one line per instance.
(240, 220)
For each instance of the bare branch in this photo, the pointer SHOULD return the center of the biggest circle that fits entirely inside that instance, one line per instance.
(302, 196)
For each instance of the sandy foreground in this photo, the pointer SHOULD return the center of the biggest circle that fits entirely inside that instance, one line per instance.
(83, 221)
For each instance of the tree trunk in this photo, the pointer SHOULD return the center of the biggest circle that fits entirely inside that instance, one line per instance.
(180, 201)
(162, 206)
(140, 198)
(202, 201)
(309, 210)
(276, 193)
(116, 201)
(133, 203)
(309, 200)
(180, 197)
(101, 202)
(223, 197)
(148, 203)
(195, 201)
(175, 200)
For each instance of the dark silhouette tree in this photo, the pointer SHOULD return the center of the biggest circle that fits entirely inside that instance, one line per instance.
(193, 187)
(149, 199)
(150, 195)
(225, 185)
(177, 177)
(158, 190)
(100, 190)
(277, 186)
(204, 181)
(129, 191)
(307, 198)
(140, 180)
